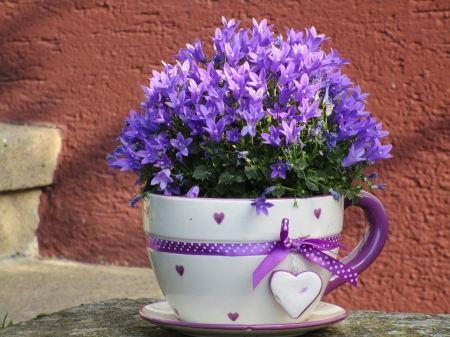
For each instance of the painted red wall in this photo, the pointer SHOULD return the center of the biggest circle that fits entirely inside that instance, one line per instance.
(79, 65)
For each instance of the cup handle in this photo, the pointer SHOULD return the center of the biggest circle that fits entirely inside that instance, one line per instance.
(372, 242)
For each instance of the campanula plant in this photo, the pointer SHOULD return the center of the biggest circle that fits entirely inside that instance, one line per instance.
(265, 116)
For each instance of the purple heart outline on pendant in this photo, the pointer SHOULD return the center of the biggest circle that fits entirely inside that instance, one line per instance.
(317, 213)
(218, 217)
(234, 316)
(180, 270)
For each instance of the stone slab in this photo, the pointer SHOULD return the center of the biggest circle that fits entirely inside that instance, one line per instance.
(120, 318)
(29, 287)
(19, 220)
(28, 156)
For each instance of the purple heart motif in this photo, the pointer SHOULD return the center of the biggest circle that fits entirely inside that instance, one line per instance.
(317, 212)
(219, 217)
(180, 270)
(234, 316)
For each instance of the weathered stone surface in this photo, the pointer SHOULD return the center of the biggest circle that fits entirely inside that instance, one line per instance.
(28, 156)
(29, 287)
(19, 220)
(121, 318)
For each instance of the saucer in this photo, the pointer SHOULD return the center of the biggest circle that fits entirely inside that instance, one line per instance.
(163, 316)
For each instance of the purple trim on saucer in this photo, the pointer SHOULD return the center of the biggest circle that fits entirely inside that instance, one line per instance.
(177, 323)
(220, 249)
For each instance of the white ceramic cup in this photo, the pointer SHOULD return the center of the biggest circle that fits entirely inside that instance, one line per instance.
(218, 289)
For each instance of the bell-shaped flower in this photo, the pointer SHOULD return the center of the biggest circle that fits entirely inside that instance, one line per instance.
(181, 145)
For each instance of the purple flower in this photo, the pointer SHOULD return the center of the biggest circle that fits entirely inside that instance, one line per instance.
(162, 178)
(335, 194)
(273, 138)
(315, 130)
(164, 162)
(258, 81)
(277, 112)
(285, 94)
(287, 166)
(290, 131)
(233, 136)
(177, 102)
(380, 186)
(193, 192)
(233, 53)
(308, 111)
(331, 141)
(134, 201)
(261, 205)
(256, 95)
(287, 74)
(255, 84)
(215, 130)
(304, 90)
(251, 118)
(278, 55)
(171, 187)
(130, 163)
(354, 156)
(278, 170)
(197, 51)
(269, 189)
(181, 145)
(378, 151)
(373, 175)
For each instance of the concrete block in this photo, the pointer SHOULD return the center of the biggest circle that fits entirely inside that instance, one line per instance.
(28, 156)
(19, 220)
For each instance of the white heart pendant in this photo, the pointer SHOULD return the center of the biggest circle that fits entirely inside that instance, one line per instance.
(295, 293)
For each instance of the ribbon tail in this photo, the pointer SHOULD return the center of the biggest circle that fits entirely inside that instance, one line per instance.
(335, 266)
(271, 261)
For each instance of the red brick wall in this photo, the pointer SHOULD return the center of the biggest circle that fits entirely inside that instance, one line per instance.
(80, 64)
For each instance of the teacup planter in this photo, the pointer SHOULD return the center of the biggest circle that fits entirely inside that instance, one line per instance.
(218, 263)
(246, 162)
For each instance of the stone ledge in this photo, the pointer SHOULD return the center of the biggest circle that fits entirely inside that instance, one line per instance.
(19, 220)
(121, 318)
(28, 156)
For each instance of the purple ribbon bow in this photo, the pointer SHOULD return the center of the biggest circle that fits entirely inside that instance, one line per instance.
(311, 249)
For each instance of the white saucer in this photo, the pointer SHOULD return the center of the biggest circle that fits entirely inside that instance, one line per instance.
(163, 316)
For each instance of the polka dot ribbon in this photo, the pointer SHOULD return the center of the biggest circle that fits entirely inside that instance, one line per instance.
(311, 249)
(276, 251)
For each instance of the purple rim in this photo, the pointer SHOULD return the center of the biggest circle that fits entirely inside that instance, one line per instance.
(236, 199)
(289, 326)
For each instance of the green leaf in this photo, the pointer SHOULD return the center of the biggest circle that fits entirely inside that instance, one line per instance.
(336, 155)
(323, 174)
(312, 185)
(301, 192)
(200, 172)
(226, 178)
(301, 175)
(267, 173)
(352, 196)
(194, 148)
(240, 176)
(221, 189)
(300, 164)
(250, 172)
(278, 192)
